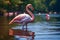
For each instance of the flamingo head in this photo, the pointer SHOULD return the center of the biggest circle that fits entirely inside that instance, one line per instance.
(30, 7)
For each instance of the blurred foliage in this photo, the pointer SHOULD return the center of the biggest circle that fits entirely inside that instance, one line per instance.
(10, 5)
(44, 5)
(40, 5)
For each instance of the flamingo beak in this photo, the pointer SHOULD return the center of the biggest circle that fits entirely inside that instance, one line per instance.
(32, 9)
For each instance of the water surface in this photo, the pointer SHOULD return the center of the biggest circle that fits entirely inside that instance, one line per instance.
(44, 30)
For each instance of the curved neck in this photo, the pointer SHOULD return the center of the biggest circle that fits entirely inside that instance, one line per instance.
(30, 13)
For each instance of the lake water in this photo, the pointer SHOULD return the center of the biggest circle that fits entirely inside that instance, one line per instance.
(44, 30)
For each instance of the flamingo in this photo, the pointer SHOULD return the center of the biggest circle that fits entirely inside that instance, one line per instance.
(24, 18)
(47, 17)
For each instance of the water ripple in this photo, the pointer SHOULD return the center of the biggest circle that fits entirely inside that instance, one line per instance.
(43, 31)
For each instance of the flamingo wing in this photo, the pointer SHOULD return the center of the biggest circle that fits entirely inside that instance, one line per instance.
(26, 18)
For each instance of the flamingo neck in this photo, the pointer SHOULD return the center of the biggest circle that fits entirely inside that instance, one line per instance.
(30, 13)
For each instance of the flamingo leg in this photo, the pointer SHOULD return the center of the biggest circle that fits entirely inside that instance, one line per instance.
(26, 27)
(23, 28)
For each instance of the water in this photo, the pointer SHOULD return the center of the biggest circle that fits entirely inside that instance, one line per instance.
(44, 30)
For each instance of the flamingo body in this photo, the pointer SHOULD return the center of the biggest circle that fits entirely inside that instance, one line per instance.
(47, 17)
(24, 18)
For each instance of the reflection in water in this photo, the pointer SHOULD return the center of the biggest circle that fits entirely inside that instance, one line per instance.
(43, 31)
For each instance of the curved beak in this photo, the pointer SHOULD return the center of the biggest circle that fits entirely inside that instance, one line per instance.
(32, 8)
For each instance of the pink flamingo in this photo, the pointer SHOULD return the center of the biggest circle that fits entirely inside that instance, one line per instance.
(24, 19)
(47, 17)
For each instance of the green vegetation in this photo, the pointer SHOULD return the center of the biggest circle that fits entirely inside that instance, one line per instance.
(40, 5)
